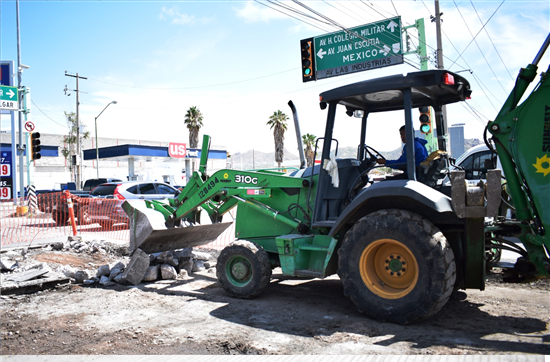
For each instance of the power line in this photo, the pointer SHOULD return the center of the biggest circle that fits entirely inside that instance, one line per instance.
(287, 14)
(372, 7)
(62, 125)
(196, 87)
(340, 10)
(494, 47)
(475, 41)
(396, 12)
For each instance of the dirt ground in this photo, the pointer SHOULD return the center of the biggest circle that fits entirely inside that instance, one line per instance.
(193, 315)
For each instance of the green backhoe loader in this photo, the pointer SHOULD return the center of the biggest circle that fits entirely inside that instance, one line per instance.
(399, 246)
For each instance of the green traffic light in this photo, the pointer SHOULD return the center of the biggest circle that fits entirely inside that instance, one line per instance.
(307, 71)
(425, 128)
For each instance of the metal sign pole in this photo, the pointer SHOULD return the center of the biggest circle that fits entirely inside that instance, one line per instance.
(20, 148)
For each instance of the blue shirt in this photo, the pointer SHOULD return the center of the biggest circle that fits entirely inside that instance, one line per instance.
(420, 153)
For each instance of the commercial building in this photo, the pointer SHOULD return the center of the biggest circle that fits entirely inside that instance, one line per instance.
(126, 159)
(456, 132)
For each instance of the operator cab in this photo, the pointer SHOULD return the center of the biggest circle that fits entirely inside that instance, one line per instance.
(433, 88)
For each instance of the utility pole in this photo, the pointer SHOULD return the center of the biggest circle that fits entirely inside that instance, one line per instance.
(441, 118)
(78, 161)
(21, 147)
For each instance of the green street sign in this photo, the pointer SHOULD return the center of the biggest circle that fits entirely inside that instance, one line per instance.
(9, 98)
(364, 47)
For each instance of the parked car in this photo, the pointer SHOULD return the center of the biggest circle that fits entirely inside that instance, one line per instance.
(55, 201)
(90, 184)
(476, 161)
(107, 198)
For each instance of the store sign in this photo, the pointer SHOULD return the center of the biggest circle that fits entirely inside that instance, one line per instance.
(6, 176)
(177, 150)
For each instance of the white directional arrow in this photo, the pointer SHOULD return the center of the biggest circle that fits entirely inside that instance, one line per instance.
(321, 52)
(392, 25)
(386, 50)
(10, 93)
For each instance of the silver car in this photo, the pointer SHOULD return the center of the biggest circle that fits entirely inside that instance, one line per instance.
(106, 199)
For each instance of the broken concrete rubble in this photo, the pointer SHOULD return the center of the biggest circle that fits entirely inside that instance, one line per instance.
(30, 279)
(167, 265)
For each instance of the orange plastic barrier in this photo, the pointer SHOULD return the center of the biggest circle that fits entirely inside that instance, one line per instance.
(94, 219)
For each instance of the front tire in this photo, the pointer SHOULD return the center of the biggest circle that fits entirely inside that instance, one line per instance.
(396, 266)
(243, 269)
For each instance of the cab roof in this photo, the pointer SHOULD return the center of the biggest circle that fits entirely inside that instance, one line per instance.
(428, 88)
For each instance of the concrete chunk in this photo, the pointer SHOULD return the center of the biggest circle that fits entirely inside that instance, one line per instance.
(29, 274)
(136, 268)
(168, 272)
(103, 270)
(116, 270)
(81, 275)
(151, 274)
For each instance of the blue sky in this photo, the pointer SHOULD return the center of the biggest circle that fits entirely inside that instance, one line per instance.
(239, 61)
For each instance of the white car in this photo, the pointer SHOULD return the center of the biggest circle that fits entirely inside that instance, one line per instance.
(105, 204)
(476, 161)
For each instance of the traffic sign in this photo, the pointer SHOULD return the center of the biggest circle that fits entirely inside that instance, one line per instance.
(364, 47)
(29, 126)
(9, 98)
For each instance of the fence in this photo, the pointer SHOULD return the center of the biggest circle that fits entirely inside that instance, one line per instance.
(95, 219)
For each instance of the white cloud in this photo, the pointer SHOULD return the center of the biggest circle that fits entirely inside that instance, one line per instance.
(176, 17)
(253, 13)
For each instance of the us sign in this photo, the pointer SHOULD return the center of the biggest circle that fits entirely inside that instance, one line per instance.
(177, 150)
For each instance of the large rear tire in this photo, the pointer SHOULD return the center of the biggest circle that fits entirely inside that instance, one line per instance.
(396, 266)
(243, 269)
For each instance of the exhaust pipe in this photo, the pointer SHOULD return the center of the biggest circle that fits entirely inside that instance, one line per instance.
(298, 135)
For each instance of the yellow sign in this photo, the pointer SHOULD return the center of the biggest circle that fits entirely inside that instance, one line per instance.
(540, 163)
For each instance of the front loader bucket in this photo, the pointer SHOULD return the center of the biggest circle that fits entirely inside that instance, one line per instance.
(149, 233)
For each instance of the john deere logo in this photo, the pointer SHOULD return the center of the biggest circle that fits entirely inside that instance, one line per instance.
(543, 165)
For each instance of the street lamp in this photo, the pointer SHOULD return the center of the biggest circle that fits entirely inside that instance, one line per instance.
(96, 146)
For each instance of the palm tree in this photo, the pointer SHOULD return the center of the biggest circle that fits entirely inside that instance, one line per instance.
(277, 122)
(309, 141)
(193, 121)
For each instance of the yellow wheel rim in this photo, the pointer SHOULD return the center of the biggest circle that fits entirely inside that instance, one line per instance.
(388, 268)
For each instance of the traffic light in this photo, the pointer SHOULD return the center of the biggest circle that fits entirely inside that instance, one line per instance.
(308, 60)
(35, 146)
(425, 120)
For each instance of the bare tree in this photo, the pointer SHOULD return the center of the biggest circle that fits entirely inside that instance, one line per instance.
(69, 141)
